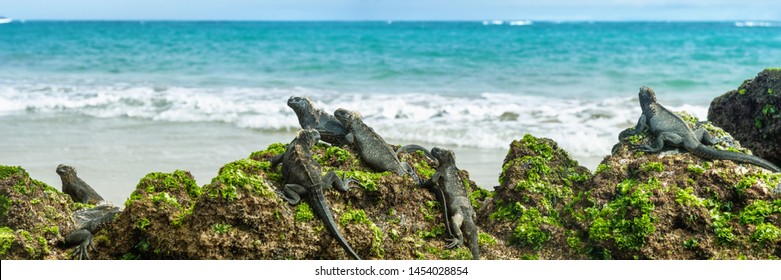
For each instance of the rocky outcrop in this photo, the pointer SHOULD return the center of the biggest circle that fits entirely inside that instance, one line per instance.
(34, 217)
(670, 205)
(239, 215)
(752, 114)
(531, 210)
(674, 205)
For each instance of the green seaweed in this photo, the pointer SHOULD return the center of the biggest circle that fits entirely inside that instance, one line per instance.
(221, 228)
(7, 171)
(528, 231)
(742, 91)
(7, 238)
(626, 221)
(142, 224)
(245, 174)
(686, 197)
(652, 166)
(755, 213)
(769, 110)
(304, 212)
(359, 216)
(485, 239)
(766, 233)
(368, 180)
(601, 167)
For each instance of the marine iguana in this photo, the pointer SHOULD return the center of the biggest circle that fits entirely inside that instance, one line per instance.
(456, 207)
(331, 130)
(76, 188)
(671, 129)
(303, 177)
(371, 147)
(88, 222)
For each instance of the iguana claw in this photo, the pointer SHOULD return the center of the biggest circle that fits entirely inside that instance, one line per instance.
(82, 251)
(453, 242)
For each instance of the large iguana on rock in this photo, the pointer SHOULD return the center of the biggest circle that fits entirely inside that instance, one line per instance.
(76, 188)
(303, 177)
(374, 151)
(88, 222)
(331, 130)
(457, 210)
(670, 129)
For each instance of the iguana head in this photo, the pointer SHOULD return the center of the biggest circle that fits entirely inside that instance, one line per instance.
(443, 156)
(346, 117)
(308, 137)
(63, 169)
(647, 96)
(299, 103)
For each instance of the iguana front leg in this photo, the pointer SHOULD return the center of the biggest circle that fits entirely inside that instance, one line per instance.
(84, 238)
(332, 180)
(276, 160)
(642, 124)
(292, 193)
(658, 143)
(349, 138)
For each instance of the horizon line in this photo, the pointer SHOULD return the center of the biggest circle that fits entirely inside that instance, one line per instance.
(392, 20)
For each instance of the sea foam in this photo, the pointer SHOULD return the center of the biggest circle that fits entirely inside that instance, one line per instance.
(586, 128)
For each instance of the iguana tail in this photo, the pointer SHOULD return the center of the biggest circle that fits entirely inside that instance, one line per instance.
(414, 148)
(711, 153)
(470, 234)
(322, 211)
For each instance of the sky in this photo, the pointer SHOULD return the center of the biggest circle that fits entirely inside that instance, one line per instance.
(609, 10)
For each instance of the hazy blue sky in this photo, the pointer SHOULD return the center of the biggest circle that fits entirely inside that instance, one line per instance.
(395, 9)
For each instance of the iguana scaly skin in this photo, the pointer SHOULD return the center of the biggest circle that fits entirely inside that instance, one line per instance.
(88, 222)
(670, 129)
(303, 177)
(76, 188)
(374, 151)
(456, 207)
(331, 130)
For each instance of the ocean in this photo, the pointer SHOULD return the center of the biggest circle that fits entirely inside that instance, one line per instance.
(120, 99)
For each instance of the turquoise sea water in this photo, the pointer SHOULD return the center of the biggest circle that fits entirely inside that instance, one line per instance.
(474, 84)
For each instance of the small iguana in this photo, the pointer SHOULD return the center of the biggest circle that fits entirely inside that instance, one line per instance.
(76, 188)
(88, 222)
(457, 210)
(374, 151)
(331, 130)
(303, 177)
(668, 128)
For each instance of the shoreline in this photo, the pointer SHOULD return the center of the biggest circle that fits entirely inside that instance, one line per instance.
(113, 154)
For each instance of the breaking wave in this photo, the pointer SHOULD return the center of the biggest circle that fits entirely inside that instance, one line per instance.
(488, 120)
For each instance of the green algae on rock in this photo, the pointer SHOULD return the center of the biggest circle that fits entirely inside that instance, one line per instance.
(539, 182)
(33, 217)
(674, 205)
(239, 215)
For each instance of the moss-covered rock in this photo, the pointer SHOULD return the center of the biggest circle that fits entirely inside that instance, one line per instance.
(674, 205)
(34, 217)
(529, 210)
(239, 216)
(159, 207)
(752, 113)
